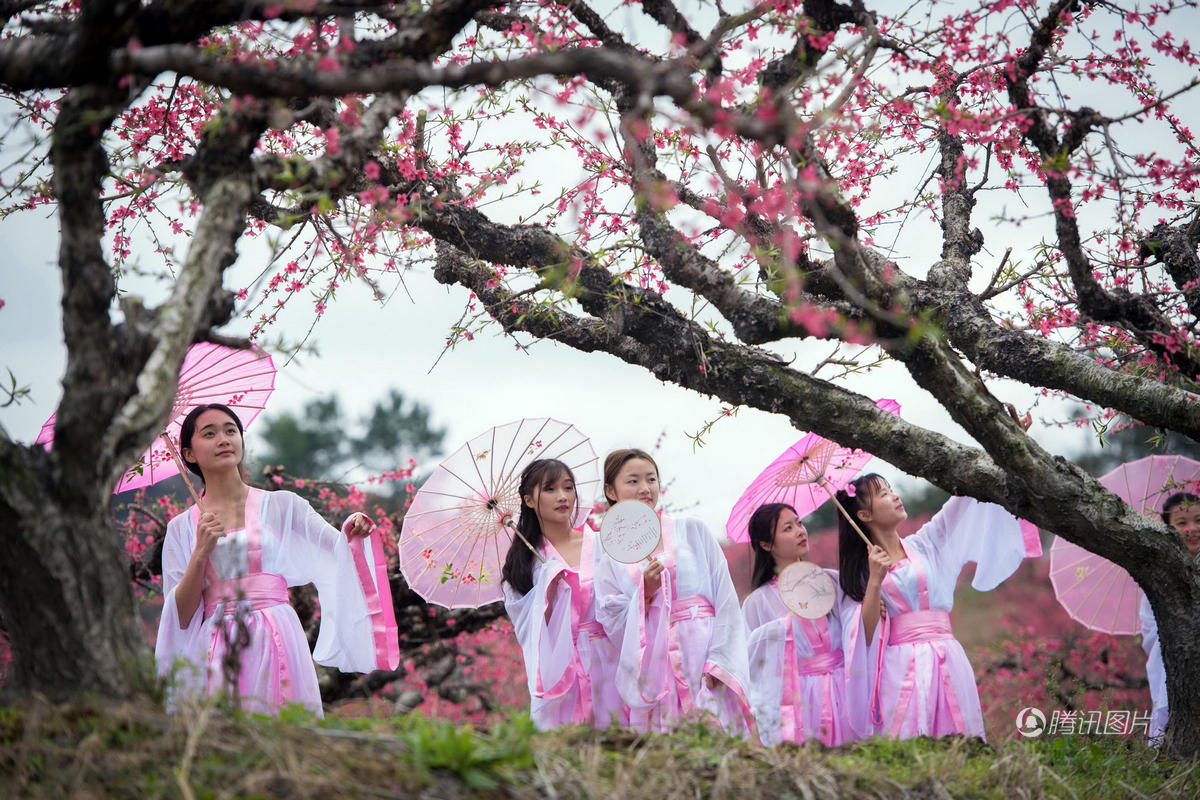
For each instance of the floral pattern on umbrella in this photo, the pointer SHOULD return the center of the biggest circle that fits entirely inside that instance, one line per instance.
(457, 532)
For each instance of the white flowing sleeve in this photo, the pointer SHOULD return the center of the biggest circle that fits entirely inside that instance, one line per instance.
(358, 621)
(859, 661)
(547, 646)
(968, 530)
(768, 632)
(1156, 673)
(176, 641)
(621, 610)
(728, 649)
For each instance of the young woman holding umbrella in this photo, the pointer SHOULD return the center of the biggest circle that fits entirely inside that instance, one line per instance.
(675, 620)
(798, 682)
(227, 564)
(923, 682)
(548, 594)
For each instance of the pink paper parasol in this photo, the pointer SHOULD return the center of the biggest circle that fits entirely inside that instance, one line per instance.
(1095, 591)
(211, 373)
(795, 478)
(457, 532)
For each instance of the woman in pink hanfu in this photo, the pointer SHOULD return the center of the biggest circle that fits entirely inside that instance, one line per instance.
(675, 621)
(798, 682)
(569, 661)
(1182, 512)
(923, 682)
(226, 571)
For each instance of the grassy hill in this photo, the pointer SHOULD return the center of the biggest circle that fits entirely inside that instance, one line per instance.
(135, 751)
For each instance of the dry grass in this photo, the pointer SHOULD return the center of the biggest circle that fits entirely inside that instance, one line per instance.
(133, 750)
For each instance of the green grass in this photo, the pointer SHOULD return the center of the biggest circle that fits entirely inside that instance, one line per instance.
(135, 751)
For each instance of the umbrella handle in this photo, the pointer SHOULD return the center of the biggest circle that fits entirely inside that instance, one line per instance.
(824, 482)
(508, 523)
(183, 472)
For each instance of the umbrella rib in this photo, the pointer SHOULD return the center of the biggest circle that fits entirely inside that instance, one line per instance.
(461, 479)
(469, 508)
(505, 469)
(1097, 585)
(469, 525)
(459, 583)
(484, 485)
(550, 445)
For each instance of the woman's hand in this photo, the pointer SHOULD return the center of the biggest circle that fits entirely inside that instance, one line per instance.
(652, 578)
(359, 525)
(878, 564)
(209, 531)
(711, 682)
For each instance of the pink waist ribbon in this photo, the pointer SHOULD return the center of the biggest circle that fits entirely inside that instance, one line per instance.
(919, 626)
(687, 608)
(822, 662)
(260, 590)
(931, 626)
(378, 594)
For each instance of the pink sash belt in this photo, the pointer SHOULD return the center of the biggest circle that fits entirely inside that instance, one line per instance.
(694, 607)
(592, 628)
(821, 663)
(261, 590)
(919, 626)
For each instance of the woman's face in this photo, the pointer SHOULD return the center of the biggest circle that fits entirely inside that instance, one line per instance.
(554, 501)
(790, 541)
(884, 508)
(637, 480)
(216, 444)
(1186, 520)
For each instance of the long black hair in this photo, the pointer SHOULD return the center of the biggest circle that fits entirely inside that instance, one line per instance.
(518, 564)
(1175, 501)
(762, 531)
(188, 429)
(853, 568)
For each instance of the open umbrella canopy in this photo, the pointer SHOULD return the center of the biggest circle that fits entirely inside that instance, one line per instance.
(211, 373)
(798, 477)
(1095, 591)
(457, 532)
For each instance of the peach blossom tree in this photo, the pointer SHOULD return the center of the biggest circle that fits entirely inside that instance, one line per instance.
(973, 191)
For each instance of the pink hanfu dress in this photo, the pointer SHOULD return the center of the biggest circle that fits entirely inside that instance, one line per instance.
(692, 627)
(285, 543)
(923, 682)
(799, 686)
(569, 662)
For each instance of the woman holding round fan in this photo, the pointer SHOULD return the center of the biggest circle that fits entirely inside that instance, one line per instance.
(923, 682)
(675, 620)
(227, 563)
(798, 677)
(548, 594)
